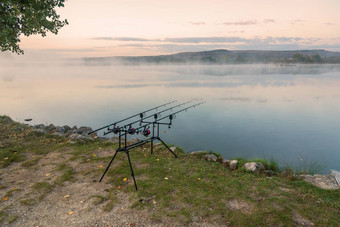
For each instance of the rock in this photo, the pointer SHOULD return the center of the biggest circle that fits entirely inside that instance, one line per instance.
(75, 136)
(210, 157)
(287, 173)
(50, 127)
(226, 162)
(233, 164)
(322, 181)
(173, 149)
(336, 175)
(60, 129)
(19, 128)
(269, 173)
(90, 138)
(84, 130)
(301, 221)
(254, 166)
(58, 134)
(197, 152)
(39, 130)
(94, 135)
(67, 128)
(40, 126)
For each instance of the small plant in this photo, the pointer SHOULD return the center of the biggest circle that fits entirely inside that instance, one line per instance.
(306, 167)
(98, 199)
(28, 202)
(9, 156)
(30, 163)
(43, 187)
(112, 201)
(12, 219)
(310, 167)
(67, 174)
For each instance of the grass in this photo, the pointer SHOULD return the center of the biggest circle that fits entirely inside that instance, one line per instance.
(38, 192)
(42, 188)
(30, 163)
(9, 156)
(112, 200)
(183, 197)
(12, 219)
(179, 190)
(67, 173)
(98, 199)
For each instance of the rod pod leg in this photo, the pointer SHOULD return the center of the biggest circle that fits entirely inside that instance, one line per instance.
(107, 168)
(151, 146)
(132, 174)
(167, 147)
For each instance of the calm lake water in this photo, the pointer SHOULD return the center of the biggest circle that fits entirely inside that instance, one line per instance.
(289, 113)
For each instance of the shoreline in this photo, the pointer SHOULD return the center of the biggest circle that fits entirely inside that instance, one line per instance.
(75, 134)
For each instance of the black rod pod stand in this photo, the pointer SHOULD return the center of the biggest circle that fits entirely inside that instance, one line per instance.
(143, 129)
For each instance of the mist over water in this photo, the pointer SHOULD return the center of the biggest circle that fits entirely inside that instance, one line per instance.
(289, 113)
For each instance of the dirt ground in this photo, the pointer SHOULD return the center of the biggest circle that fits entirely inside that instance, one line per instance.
(56, 207)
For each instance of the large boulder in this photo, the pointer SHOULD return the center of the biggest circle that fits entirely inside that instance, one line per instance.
(84, 130)
(75, 136)
(60, 129)
(254, 166)
(40, 126)
(269, 172)
(50, 127)
(226, 162)
(67, 128)
(210, 157)
(233, 164)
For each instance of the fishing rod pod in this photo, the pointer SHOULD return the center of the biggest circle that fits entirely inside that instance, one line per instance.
(154, 134)
(139, 114)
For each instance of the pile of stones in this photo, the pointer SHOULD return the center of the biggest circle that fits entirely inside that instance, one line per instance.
(256, 167)
(75, 134)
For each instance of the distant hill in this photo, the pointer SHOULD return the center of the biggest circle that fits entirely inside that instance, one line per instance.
(222, 56)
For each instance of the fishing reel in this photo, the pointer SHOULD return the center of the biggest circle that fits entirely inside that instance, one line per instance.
(131, 130)
(146, 131)
(116, 129)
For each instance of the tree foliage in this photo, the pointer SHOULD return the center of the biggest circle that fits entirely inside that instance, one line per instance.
(27, 17)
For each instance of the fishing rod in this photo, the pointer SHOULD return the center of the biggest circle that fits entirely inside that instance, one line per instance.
(171, 116)
(139, 114)
(115, 129)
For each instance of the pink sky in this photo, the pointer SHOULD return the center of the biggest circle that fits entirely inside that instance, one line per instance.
(150, 27)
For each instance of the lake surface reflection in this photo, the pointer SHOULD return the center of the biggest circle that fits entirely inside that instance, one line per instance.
(289, 113)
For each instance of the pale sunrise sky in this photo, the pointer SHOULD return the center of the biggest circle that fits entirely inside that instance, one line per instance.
(152, 27)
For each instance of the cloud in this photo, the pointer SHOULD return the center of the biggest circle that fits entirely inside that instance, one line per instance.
(233, 32)
(205, 40)
(126, 86)
(122, 39)
(328, 23)
(196, 23)
(7, 78)
(248, 22)
(296, 22)
(268, 21)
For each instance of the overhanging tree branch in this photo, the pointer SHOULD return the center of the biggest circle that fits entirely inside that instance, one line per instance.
(27, 17)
